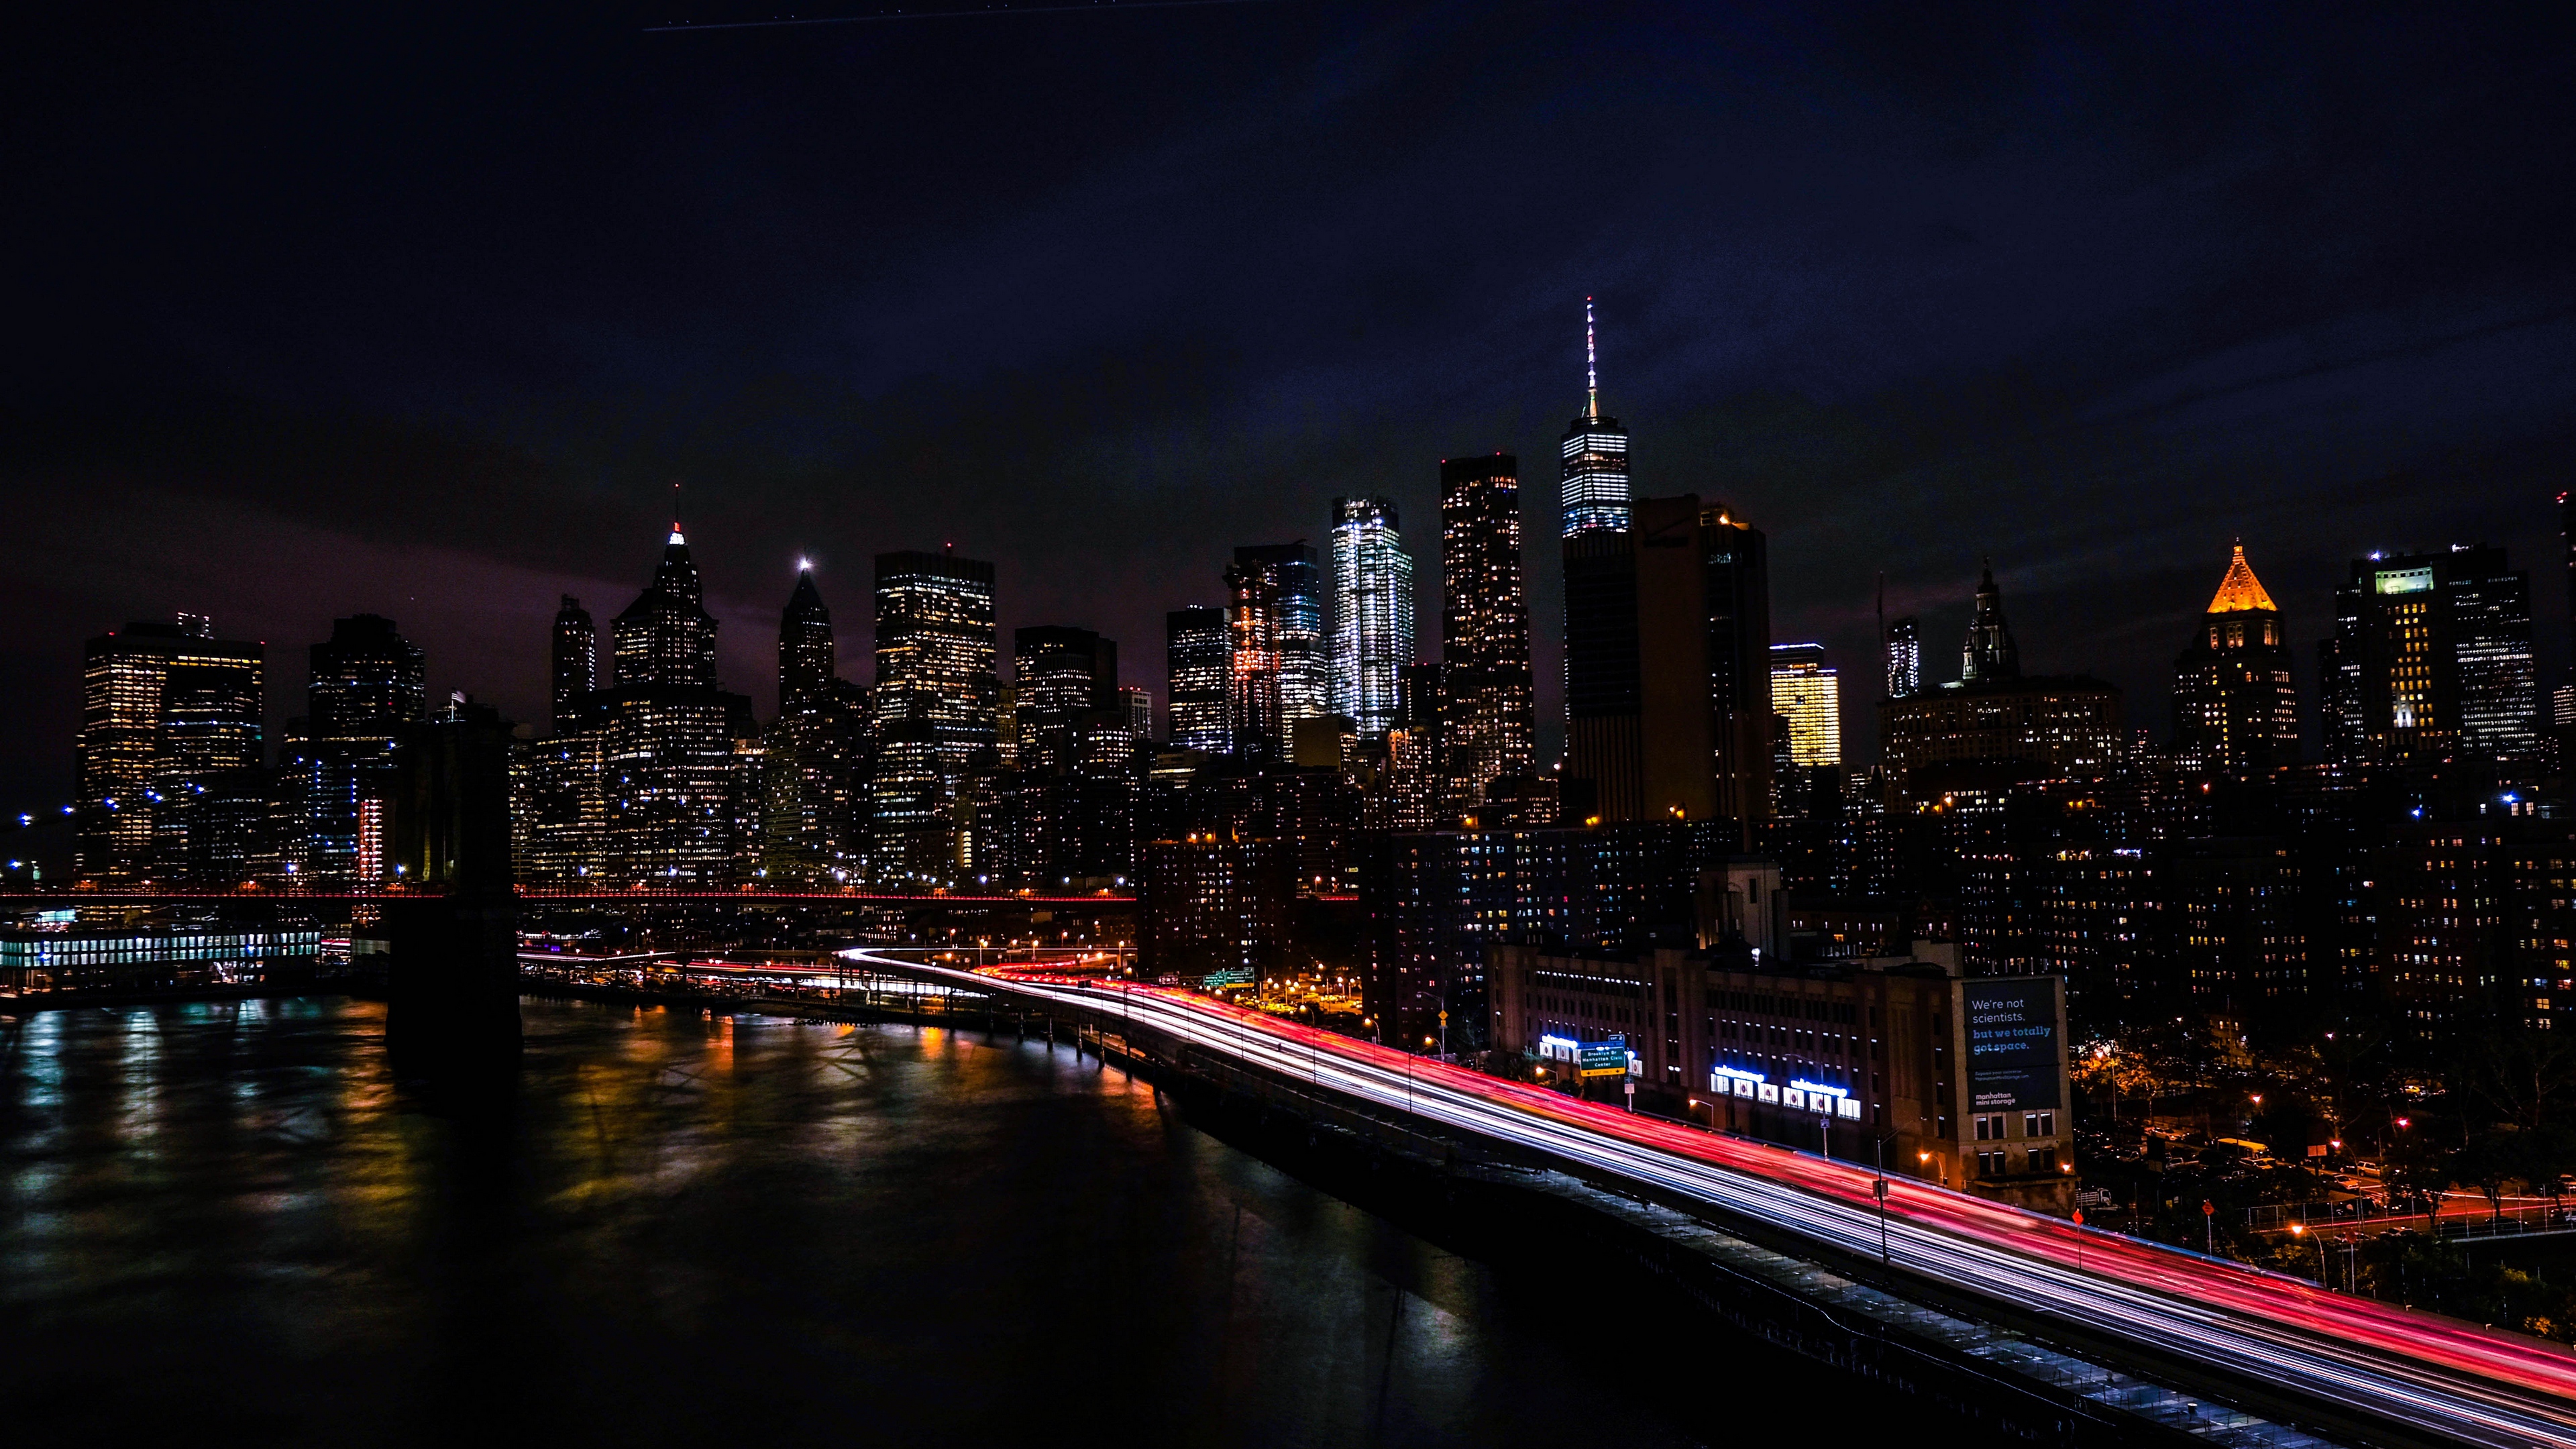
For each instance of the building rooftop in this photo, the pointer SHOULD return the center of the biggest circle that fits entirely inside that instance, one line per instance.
(2240, 590)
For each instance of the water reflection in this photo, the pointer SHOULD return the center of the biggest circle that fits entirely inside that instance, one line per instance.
(228, 1220)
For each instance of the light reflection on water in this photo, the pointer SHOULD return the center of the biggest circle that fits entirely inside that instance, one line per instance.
(226, 1220)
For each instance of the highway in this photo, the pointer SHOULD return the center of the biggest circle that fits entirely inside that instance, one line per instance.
(2451, 1380)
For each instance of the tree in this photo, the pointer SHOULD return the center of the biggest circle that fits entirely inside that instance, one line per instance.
(2488, 1164)
(2110, 1071)
(2520, 1076)
(2543, 1157)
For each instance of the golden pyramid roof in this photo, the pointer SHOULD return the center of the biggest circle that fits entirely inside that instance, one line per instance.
(2240, 590)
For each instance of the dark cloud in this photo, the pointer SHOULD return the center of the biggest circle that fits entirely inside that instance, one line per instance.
(425, 312)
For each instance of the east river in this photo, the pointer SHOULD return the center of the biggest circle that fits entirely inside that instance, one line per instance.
(227, 1223)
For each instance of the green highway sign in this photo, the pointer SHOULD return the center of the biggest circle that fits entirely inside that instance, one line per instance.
(1604, 1059)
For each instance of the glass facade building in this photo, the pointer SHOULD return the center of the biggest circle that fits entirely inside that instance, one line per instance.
(1372, 612)
(1198, 658)
(1594, 486)
(1286, 638)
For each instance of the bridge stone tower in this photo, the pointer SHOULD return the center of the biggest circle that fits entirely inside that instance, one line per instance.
(453, 925)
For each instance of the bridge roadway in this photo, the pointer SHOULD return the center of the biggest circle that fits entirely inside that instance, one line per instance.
(2437, 1377)
(565, 896)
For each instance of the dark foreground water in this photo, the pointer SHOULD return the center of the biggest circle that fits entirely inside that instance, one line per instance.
(225, 1222)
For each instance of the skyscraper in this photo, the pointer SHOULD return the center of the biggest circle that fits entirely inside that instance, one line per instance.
(807, 659)
(2567, 545)
(1484, 617)
(2432, 652)
(1298, 629)
(1989, 652)
(1252, 694)
(1807, 693)
(667, 636)
(1604, 760)
(1414, 787)
(2562, 700)
(1059, 674)
(676, 758)
(1904, 657)
(368, 683)
(1594, 455)
(576, 661)
(1138, 702)
(1198, 660)
(1372, 612)
(1604, 768)
(1072, 799)
(556, 807)
(936, 702)
(163, 705)
(805, 799)
(2234, 705)
(1703, 662)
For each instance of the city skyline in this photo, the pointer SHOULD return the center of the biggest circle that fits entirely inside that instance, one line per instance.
(1987, 306)
(685, 646)
(669, 675)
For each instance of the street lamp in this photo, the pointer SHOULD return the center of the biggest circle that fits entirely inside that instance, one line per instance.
(2300, 1230)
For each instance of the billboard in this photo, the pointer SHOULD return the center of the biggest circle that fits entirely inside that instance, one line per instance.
(2015, 1060)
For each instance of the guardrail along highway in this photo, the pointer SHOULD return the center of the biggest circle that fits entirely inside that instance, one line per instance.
(2444, 1380)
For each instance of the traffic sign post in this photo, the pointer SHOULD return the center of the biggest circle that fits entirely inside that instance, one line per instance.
(1878, 1189)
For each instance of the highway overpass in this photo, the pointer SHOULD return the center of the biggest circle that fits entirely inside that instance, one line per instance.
(2352, 1369)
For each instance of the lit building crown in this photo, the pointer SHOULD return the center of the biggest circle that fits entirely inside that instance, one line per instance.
(1593, 455)
(2240, 590)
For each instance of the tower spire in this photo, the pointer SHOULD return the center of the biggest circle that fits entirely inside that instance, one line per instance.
(1591, 366)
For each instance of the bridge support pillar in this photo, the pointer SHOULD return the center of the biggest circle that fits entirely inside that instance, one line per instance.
(453, 997)
(452, 1008)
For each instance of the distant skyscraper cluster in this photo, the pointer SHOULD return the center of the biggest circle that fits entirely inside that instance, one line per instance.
(1321, 787)
(170, 717)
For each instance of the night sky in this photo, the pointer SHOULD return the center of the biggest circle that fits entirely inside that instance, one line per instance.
(423, 312)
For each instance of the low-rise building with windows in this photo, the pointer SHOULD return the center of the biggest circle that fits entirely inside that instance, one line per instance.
(1957, 1080)
(48, 957)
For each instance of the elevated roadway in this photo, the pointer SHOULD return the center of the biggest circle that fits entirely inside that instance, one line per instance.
(2426, 1379)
